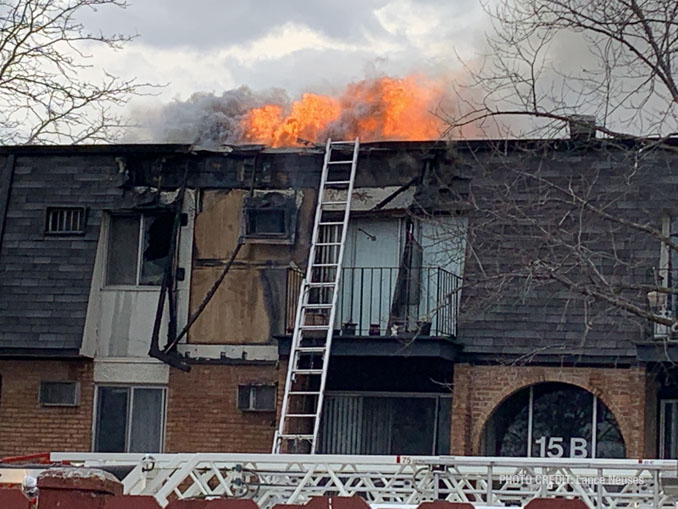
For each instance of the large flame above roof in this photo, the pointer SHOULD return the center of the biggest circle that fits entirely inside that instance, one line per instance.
(380, 109)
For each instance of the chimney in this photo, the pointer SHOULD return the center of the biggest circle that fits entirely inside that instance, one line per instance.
(582, 127)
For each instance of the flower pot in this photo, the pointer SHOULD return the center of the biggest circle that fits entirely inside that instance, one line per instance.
(423, 328)
(348, 329)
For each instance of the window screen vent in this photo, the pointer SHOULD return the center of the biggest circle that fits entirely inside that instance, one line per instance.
(59, 393)
(256, 397)
(65, 221)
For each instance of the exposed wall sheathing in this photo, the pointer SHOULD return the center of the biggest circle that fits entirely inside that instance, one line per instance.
(248, 306)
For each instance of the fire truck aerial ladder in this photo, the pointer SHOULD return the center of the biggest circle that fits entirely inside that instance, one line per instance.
(384, 481)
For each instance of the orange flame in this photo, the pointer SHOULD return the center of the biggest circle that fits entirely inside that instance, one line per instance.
(386, 108)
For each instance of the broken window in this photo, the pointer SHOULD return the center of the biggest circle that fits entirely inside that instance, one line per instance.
(269, 218)
(265, 222)
(138, 248)
(129, 419)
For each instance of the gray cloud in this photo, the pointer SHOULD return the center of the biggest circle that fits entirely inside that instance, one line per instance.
(210, 24)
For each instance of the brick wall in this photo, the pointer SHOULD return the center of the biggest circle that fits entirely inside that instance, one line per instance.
(25, 426)
(478, 391)
(202, 413)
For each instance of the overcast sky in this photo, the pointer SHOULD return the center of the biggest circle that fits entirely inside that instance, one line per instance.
(216, 45)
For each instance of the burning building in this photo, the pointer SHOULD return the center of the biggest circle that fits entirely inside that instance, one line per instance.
(149, 292)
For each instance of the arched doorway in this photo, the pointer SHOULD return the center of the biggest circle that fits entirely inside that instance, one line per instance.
(553, 420)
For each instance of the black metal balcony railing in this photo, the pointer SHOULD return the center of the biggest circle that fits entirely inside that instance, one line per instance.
(388, 301)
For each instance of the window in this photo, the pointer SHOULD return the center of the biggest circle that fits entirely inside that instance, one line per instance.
(553, 420)
(65, 221)
(265, 223)
(379, 424)
(129, 419)
(256, 397)
(668, 429)
(269, 217)
(65, 393)
(138, 248)
(672, 276)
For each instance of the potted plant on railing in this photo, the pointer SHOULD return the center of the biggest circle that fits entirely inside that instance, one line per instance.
(424, 326)
(348, 328)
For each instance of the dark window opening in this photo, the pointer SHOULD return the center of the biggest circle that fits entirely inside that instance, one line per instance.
(265, 222)
(65, 221)
(129, 419)
(156, 248)
(139, 249)
(256, 397)
(375, 424)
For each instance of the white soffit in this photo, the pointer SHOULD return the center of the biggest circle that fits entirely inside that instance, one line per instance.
(130, 371)
(366, 198)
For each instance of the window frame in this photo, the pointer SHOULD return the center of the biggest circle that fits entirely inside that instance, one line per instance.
(66, 208)
(252, 399)
(531, 444)
(76, 393)
(130, 408)
(663, 403)
(143, 217)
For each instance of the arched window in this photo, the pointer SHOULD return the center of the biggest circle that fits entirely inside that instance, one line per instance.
(553, 420)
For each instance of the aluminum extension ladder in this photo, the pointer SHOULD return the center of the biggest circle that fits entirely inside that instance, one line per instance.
(314, 324)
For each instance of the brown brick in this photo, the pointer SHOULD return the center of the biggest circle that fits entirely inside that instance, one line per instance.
(478, 391)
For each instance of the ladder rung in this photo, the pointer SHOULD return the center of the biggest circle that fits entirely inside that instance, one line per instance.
(334, 203)
(311, 349)
(295, 437)
(324, 265)
(328, 243)
(314, 284)
(318, 306)
(331, 223)
(350, 161)
(302, 416)
(314, 327)
(337, 182)
(307, 371)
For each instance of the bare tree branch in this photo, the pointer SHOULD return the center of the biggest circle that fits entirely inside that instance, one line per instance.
(44, 56)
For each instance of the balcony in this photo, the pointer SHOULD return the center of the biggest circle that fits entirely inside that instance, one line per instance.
(385, 301)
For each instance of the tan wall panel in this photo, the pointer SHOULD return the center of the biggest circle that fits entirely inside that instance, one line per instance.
(217, 227)
(237, 313)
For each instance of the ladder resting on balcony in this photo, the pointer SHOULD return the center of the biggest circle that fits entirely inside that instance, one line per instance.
(312, 337)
